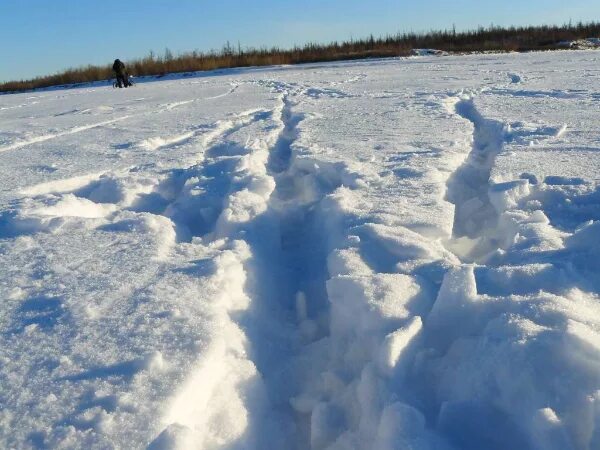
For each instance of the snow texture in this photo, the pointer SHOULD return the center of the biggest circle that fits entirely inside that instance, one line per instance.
(382, 254)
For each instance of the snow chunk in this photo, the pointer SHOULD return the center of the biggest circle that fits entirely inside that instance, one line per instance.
(586, 237)
(504, 196)
(60, 186)
(400, 425)
(71, 206)
(457, 293)
(174, 437)
(371, 303)
(397, 344)
(549, 430)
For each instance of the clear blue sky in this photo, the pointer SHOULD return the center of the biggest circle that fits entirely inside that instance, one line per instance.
(43, 36)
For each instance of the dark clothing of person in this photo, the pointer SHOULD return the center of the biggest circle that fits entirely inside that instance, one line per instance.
(118, 66)
(121, 74)
(123, 80)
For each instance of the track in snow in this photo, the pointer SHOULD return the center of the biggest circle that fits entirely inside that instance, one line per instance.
(293, 314)
(47, 137)
(286, 273)
(286, 286)
(468, 187)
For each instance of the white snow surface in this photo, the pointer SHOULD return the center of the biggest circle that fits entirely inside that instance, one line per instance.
(382, 254)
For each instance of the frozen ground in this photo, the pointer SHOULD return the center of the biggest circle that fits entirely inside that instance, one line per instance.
(395, 254)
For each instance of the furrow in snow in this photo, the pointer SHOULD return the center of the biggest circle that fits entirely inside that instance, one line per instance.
(221, 203)
(500, 317)
(225, 94)
(46, 137)
(173, 105)
(220, 130)
(261, 197)
(287, 285)
(468, 186)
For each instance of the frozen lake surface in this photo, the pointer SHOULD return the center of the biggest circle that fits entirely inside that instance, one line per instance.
(386, 254)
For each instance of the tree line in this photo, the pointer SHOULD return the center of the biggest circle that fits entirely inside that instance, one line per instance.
(492, 38)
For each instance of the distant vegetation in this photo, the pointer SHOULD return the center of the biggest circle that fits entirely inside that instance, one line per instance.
(492, 38)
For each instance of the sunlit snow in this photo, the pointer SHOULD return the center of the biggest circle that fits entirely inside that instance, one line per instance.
(382, 254)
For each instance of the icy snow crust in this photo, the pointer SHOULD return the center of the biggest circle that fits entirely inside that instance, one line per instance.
(394, 254)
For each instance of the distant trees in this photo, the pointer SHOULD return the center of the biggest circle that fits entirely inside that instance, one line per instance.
(492, 38)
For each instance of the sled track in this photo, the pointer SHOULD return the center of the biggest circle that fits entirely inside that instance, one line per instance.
(151, 144)
(47, 137)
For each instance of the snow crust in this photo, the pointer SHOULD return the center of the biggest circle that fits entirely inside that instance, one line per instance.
(387, 254)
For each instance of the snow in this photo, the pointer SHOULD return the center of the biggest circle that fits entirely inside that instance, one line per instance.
(380, 254)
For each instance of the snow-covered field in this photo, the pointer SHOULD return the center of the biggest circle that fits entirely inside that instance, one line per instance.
(393, 254)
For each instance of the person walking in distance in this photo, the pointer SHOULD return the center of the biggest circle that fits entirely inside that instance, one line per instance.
(121, 74)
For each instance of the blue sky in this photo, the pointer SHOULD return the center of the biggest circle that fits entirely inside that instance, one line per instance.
(44, 36)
